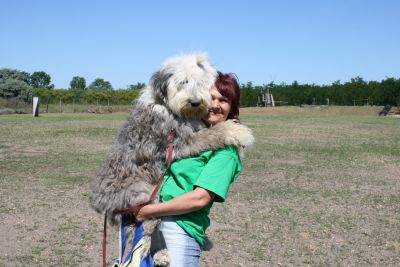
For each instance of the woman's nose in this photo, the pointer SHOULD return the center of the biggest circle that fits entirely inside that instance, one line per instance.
(214, 103)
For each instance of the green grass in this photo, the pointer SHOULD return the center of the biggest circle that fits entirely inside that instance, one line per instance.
(319, 188)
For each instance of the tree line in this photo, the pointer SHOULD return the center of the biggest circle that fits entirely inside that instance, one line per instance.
(15, 84)
(357, 91)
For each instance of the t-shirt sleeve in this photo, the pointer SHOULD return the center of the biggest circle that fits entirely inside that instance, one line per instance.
(218, 174)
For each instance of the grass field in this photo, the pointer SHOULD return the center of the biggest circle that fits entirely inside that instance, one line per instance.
(321, 187)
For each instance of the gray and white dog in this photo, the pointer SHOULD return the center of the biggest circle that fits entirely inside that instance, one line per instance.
(176, 98)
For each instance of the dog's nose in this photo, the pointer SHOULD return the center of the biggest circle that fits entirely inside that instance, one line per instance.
(195, 103)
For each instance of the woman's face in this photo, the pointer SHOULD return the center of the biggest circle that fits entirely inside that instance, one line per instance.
(220, 107)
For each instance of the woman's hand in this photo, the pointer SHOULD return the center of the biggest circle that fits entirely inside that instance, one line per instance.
(142, 214)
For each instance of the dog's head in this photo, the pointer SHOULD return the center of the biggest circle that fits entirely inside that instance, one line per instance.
(182, 84)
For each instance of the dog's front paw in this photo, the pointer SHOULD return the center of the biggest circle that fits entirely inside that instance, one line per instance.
(235, 133)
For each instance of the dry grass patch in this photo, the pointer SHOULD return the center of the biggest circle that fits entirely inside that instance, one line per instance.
(319, 188)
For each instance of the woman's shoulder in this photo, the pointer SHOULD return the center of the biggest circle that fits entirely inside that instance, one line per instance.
(230, 151)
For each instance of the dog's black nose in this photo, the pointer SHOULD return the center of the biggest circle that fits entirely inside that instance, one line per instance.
(195, 103)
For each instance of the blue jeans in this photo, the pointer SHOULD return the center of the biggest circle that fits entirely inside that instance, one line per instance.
(183, 250)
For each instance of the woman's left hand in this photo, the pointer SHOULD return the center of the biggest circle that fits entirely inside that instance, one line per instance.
(141, 215)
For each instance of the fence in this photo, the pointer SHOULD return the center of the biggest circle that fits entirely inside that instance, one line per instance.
(16, 105)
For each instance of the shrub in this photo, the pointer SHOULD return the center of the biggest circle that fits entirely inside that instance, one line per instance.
(5, 111)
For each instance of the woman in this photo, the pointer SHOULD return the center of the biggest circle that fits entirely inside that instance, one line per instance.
(192, 185)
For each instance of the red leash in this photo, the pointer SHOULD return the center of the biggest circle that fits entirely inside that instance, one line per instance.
(135, 209)
(105, 239)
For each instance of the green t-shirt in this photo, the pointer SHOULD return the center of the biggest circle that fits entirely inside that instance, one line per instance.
(212, 170)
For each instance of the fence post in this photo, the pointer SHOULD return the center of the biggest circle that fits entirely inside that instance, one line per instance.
(35, 108)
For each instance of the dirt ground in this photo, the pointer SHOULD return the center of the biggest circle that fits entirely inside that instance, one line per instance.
(321, 187)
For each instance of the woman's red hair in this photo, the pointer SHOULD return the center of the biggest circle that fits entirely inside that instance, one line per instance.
(228, 86)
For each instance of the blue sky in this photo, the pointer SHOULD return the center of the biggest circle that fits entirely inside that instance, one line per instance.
(125, 41)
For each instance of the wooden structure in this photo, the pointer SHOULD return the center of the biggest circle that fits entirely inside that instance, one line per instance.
(265, 99)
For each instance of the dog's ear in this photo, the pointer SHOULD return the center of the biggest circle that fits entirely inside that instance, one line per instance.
(201, 57)
(159, 83)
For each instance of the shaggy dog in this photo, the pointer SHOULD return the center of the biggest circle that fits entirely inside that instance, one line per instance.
(176, 98)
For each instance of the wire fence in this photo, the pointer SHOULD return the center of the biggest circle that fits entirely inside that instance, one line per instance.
(16, 105)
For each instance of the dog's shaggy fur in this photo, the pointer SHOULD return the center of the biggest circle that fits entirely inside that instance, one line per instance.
(176, 97)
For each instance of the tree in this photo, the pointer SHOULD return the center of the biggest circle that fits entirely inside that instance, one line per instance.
(14, 83)
(100, 84)
(41, 79)
(248, 95)
(14, 74)
(13, 88)
(78, 83)
(390, 91)
(26, 93)
(136, 86)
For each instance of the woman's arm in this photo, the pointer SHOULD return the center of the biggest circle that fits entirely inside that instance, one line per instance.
(191, 201)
